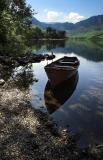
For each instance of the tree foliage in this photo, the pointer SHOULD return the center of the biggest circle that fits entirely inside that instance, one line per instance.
(54, 34)
(16, 29)
(49, 33)
(15, 18)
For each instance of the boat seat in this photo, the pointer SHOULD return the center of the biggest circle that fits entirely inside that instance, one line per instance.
(66, 62)
(63, 66)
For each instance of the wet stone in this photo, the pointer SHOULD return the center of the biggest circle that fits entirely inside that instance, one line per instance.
(2, 82)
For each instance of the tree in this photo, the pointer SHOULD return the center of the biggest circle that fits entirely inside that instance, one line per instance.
(38, 34)
(54, 34)
(61, 34)
(15, 18)
(34, 34)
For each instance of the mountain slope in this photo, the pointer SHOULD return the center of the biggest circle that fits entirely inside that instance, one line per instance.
(95, 22)
(92, 22)
(56, 25)
(89, 34)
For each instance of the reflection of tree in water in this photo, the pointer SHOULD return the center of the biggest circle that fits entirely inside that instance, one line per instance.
(50, 44)
(89, 50)
(38, 44)
(23, 76)
(55, 44)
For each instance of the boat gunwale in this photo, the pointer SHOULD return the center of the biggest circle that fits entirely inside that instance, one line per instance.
(61, 68)
(53, 65)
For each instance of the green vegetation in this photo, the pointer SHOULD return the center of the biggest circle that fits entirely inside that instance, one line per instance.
(17, 33)
(52, 33)
(49, 33)
(91, 28)
(15, 24)
(16, 30)
(89, 34)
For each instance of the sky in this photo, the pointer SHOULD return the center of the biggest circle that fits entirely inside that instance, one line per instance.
(65, 10)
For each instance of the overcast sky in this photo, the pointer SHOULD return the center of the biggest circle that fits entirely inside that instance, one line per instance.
(66, 10)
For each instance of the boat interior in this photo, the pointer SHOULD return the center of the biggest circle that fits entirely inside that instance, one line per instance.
(65, 62)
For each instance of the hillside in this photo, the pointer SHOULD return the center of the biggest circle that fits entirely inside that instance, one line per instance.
(56, 25)
(89, 34)
(89, 28)
(94, 22)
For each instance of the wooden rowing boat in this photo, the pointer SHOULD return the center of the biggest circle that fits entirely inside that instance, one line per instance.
(62, 69)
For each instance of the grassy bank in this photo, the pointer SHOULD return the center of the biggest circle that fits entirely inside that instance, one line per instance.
(87, 34)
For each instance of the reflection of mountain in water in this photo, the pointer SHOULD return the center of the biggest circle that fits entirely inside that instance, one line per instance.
(56, 97)
(87, 49)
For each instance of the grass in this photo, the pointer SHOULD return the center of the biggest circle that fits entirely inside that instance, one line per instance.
(92, 34)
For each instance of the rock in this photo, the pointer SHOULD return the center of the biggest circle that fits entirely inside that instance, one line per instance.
(36, 80)
(2, 81)
(24, 59)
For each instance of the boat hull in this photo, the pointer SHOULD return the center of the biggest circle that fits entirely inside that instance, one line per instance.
(57, 76)
(61, 70)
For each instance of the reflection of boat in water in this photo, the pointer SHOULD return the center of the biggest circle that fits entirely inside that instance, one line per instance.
(61, 70)
(55, 97)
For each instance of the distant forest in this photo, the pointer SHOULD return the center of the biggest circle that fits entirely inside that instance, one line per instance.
(48, 33)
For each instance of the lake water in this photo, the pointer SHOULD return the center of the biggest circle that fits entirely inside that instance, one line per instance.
(79, 107)
(76, 104)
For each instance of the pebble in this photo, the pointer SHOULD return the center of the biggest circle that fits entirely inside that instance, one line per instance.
(2, 81)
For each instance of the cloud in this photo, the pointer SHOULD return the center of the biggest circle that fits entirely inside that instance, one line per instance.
(45, 10)
(74, 17)
(53, 16)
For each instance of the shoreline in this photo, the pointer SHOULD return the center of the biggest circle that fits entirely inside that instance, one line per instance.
(28, 134)
(49, 39)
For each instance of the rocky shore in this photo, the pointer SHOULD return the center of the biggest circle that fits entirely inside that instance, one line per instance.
(27, 133)
(24, 59)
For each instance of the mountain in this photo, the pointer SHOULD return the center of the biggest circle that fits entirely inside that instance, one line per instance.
(56, 25)
(37, 23)
(95, 22)
(92, 22)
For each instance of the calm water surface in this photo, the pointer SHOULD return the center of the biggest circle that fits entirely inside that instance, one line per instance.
(79, 105)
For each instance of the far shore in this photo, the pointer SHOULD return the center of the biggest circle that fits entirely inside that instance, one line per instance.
(50, 39)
